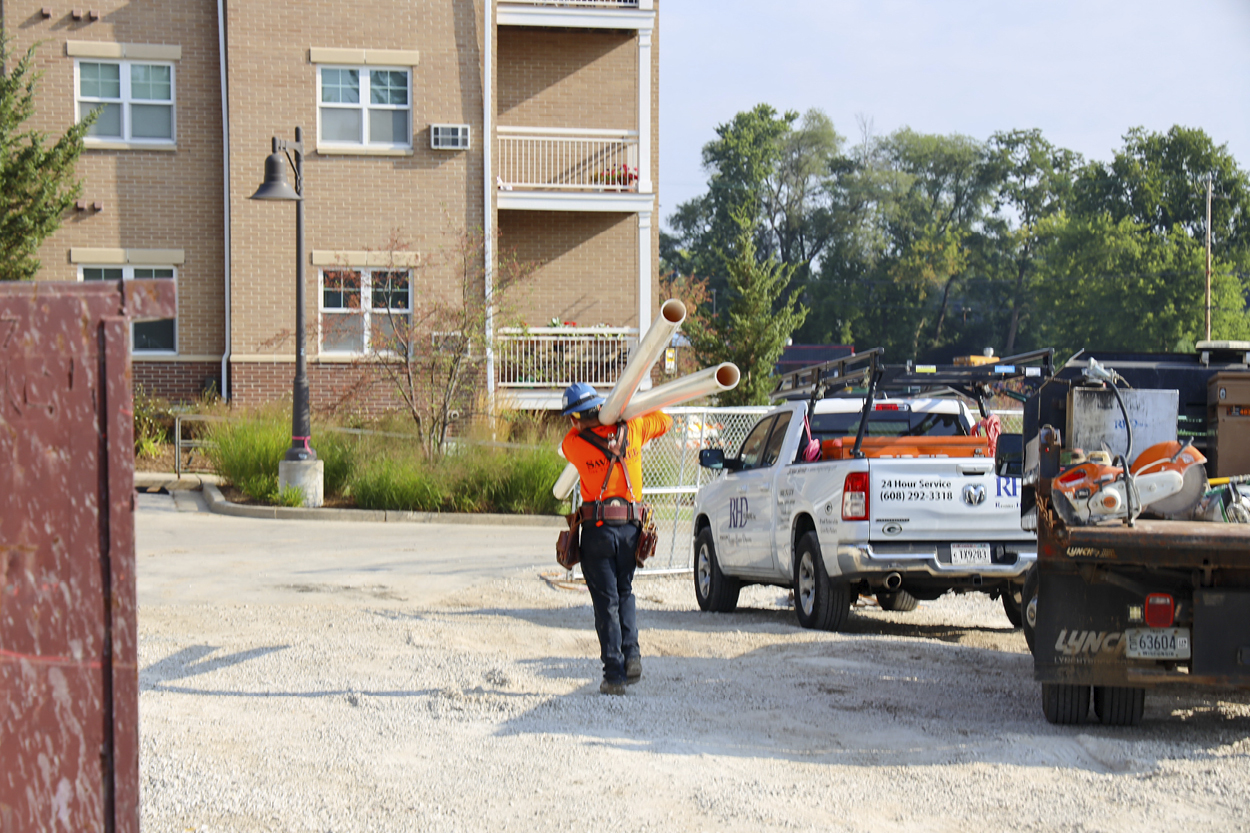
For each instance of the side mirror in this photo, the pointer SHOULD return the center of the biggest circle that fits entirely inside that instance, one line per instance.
(712, 458)
(1009, 456)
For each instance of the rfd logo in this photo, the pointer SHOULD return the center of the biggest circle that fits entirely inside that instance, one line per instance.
(1071, 643)
(1008, 487)
(737, 512)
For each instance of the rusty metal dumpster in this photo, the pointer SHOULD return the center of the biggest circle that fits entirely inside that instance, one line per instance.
(69, 689)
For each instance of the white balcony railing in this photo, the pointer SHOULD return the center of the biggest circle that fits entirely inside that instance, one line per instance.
(611, 4)
(555, 159)
(556, 357)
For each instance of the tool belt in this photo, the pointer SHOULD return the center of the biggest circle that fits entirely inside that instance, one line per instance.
(569, 546)
(613, 511)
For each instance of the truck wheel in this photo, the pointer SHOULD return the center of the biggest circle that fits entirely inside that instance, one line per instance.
(820, 603)
(1012, 602)
(713, 590)
(1028, 606)
(1118, 706)
(1065, 705)
(898, 600)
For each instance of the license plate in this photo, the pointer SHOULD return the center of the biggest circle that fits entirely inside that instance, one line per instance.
(1157, 643)
(970, 553)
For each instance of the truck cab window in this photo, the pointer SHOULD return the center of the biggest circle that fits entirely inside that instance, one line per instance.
(773, 449)
(888, 424)
(754, 445)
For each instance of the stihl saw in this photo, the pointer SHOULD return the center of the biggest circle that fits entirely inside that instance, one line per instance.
(1169, 478)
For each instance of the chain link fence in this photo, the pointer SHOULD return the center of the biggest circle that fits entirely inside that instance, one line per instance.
(672, 475)
(1013, 421)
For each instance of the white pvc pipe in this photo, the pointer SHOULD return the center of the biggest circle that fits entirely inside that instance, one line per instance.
(672, 313)
(565, 482)
(716, 379)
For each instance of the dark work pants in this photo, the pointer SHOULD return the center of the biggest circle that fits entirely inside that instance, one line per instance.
(608, 567)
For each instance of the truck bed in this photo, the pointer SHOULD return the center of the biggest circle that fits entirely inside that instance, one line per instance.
(1158, 543)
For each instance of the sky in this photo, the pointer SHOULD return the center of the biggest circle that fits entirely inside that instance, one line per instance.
(1082, 71)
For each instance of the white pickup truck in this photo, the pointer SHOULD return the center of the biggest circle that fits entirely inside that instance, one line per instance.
(912, 510)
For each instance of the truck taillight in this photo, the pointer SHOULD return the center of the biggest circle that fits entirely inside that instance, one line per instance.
(855, 497)
(1160, 610)
(885, 406)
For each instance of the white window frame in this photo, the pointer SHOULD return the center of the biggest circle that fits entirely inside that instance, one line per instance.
(365, 106)
(126, 100)
(366, 309)
(128, 274)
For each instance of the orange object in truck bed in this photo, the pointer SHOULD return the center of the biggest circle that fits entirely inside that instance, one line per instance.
(842, 447)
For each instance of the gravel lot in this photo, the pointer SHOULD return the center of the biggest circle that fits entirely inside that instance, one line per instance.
(355, 708)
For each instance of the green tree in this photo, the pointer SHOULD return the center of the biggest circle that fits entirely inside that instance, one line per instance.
(739, 163)
(797, 212)
(922, 198)
(1034, 181)
(1159, 181)
(1112, 284)
(754, 330)
(37, 184)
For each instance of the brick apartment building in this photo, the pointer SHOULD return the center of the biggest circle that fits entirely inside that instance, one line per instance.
(420, 121)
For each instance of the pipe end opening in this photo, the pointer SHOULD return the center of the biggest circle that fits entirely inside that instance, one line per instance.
(674, 311)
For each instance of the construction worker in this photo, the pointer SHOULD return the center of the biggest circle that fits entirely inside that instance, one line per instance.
(609, 461)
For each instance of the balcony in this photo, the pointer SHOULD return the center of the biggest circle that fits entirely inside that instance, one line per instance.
(553, 169)
(578, 14)
(534, 365)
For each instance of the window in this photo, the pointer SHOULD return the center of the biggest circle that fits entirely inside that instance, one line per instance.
(752, 451)
(364, 107)
(135, 100)
(364, 310)
(773, 450)
(888, 424)
(155, 336)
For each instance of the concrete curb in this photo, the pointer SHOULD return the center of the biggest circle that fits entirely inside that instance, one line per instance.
(171, 482)
(217, 503)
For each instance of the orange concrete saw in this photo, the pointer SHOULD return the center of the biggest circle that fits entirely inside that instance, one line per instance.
(1169, 478)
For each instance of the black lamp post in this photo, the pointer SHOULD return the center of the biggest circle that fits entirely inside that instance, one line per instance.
(275, 187)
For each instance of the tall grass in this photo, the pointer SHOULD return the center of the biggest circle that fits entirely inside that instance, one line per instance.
(246, 452)
(509, 481)
(386, 483)
(389, 472)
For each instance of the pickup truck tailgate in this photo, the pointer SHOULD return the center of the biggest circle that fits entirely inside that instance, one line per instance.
(938, 499)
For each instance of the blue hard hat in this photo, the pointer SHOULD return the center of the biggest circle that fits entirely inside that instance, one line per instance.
(580, 396)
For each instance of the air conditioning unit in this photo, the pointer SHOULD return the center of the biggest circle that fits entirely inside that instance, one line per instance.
(449, 136)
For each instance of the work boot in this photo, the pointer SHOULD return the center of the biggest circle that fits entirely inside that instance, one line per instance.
(609, 687)
(633, 670)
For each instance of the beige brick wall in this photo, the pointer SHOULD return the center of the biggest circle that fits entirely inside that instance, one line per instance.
(352, 202)
(567, 78)
(587, 266)
(151, 199)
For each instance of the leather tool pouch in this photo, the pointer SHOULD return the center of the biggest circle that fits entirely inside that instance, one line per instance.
(647, 536)
(568, 545)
